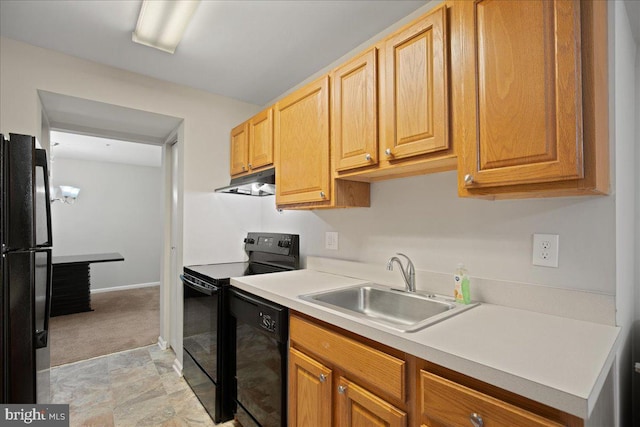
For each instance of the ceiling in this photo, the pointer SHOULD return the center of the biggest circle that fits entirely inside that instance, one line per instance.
(248, 50)
(83, 147)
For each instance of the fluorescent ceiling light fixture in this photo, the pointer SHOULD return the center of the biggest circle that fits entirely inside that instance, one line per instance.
(161, 23)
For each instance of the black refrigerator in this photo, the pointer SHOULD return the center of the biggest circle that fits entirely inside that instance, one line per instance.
(25, 216)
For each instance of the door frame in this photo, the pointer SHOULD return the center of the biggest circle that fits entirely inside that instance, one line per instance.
(170, 289)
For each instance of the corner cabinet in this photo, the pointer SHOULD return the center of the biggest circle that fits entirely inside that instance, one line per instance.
(304, 178)
(252, 144)
(531, 75)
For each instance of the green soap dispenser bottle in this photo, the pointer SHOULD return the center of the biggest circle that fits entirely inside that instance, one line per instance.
(461, 291)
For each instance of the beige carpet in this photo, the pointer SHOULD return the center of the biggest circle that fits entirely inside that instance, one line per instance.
(121, 320)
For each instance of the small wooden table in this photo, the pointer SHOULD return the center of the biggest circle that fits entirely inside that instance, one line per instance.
(70, 291)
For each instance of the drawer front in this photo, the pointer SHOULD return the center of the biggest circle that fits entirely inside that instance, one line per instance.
(445, 403)
(372, 366)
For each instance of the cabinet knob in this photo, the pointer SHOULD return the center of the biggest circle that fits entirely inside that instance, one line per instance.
(468, 179)
(387, 151)
(342, 389)
(367, 157)
(244, 168)
(322, 378)
(250, 167)
(476, 420)
(322, 195)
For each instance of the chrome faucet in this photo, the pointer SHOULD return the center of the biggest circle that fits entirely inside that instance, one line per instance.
(408, 274)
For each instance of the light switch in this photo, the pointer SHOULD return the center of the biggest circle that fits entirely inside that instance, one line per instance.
(331, 240)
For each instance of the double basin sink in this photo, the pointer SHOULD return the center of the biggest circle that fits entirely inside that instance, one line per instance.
(394, 308)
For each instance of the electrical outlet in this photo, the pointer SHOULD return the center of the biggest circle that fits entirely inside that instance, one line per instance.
(545, 250)
(331, 240)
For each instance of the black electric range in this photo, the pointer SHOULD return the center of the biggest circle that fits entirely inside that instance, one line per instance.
(208, 341)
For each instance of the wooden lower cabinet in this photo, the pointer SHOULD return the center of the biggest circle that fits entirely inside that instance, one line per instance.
(312, 392)
(310, 386)
(444, 403)
(337, 378)
(358, 407)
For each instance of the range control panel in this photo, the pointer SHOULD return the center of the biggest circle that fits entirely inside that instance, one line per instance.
(273, 243)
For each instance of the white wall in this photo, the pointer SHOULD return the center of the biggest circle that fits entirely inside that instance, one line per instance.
(203, 139)
(636, 327)
(207, 120)
(423, 217)
(624, 117)
(117, 211)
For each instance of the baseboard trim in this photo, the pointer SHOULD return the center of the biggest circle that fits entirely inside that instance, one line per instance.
(162, 343)
(125, 287)
(177, 366)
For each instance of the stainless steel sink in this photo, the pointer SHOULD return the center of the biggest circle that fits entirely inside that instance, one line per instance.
(393, 308)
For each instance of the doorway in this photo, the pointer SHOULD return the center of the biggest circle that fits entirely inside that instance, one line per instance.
(90, 118)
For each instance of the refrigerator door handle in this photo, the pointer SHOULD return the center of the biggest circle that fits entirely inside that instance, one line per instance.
(42, 203)
(43, 292)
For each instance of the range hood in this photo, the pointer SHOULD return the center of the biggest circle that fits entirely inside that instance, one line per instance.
(256, 184)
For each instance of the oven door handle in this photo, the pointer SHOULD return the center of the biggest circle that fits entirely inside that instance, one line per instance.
(197, 287)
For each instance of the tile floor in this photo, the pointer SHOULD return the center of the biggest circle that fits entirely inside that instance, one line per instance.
(132, 388)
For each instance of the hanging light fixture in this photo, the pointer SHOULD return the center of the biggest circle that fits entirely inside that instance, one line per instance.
(161, 23)
(68, 194)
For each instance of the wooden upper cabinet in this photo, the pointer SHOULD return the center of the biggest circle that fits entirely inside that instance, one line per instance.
(261, 139)
(310, 384)
(252, 144)
(520, 96)
(416, 95)
(302, 148)
(239, 149)
(355, 112)
(358, 407)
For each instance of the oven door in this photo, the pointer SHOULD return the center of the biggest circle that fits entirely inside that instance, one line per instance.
(201, 318)
(201, 338)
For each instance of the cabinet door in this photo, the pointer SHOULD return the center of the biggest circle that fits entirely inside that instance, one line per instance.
(444, 403)
(261, 139)
(309, 391)
(239, 149)
(416, 102)
(522, 87)
(358, 407)
(355, 112)
(302, 145)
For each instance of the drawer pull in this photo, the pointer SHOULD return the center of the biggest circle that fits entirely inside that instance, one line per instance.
(322, 378)
(476, 420)
(388, 152)
(342, 389)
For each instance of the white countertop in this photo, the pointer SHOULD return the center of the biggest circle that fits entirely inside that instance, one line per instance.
(554, 360)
